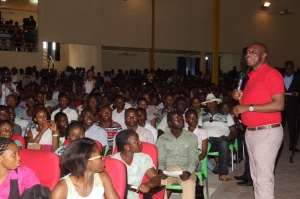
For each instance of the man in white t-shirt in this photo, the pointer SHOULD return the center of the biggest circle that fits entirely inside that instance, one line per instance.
(63, 101)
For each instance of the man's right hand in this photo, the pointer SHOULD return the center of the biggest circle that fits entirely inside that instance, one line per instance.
(162, 175)
(237, 94)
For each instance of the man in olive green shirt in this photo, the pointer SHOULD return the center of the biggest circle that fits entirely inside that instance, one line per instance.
(177, 151)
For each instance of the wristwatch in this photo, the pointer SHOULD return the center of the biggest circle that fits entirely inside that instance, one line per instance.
(251, 108)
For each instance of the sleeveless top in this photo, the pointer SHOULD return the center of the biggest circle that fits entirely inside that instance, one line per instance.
(97, 191)
(46, 139)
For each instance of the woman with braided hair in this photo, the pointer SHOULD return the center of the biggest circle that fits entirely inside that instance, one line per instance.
(11, 173)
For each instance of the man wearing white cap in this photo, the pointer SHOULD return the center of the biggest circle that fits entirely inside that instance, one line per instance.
(221, 129)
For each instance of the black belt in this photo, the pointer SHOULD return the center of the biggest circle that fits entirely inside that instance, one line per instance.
(269, 126)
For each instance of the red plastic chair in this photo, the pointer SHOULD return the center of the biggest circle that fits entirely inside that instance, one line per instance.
(45, 164)
(67, 142)
(117, 172)
(21, 139)
(150, 150)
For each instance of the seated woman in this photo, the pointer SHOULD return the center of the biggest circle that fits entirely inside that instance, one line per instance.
(46, 133)
(74, 131)
(26, 114)
(61, 121)
(191, 118)
(87, 178)
(138, 164)
(12, 172)
(7, 131)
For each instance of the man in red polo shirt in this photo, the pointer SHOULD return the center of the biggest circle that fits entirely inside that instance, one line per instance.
(260, 107)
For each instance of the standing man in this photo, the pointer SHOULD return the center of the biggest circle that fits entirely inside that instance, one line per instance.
(290, 112)
(260, 105)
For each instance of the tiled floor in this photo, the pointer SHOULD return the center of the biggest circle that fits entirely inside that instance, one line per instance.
(287, 180)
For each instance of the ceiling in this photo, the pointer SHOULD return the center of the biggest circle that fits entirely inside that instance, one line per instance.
(22, 5)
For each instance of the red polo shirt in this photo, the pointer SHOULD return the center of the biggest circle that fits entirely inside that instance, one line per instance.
(261, 86)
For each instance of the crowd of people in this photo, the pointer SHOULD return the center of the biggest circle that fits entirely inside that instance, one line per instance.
(76, 111)
(17, 37)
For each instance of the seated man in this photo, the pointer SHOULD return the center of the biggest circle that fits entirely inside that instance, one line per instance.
(63, 101)
(119, 111)
(221, 129)
(177, 151)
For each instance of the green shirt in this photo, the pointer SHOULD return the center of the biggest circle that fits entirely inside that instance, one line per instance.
(182, 152)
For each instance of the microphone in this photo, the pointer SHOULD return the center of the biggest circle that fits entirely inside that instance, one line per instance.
(241, 79)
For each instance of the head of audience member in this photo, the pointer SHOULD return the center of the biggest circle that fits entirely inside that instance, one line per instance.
(6, 129)
(128, 141)
(289, 68)
(142, 116)
(180, 104)
(87, 118)
(92, 102)
(105, 100)
(12, 113)
(131, 118)
(105, 114)
(119, 103)
(30, 101)
(78, 158)
(196, 104)
(147, 97)
(63, 101)
(188, 101)
(226, 108)
(175, 121)
(74, 131)
(154, 100)
(90, 74)
(9, 155)
(169, 101)
(142, 103)
(62, 122)
(39, 97)
(40, 115)
(4, 112)
(11, 100)
(211, 103)
(191, 118)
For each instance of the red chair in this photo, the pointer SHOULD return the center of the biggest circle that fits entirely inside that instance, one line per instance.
(45, 164)
(21, 139)
(67, 142)
(150, 150)
(117, 172)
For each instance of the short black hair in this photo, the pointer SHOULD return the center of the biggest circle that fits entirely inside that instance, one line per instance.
(5, 122)
(179, 99)
(63, 95)
(190, 111)
(76, 155)
(57, 115)
(72, 125)
(172, 113)
(131, 109)
(4, 142)
(105, 106)
(142, 110)
(3, 107)
(122, 138)
(141, 99)
(36, 109)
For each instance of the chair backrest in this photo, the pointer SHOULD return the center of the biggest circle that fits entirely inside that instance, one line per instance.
(149, 149)
(45, 164)
(21, 139)
(117, 172)
(67, 142)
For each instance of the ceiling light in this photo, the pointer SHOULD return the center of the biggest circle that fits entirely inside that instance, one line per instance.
(265, 5)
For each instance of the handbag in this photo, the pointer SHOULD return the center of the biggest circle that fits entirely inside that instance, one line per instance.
(199, 191)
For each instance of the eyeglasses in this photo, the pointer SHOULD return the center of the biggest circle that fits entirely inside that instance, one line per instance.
(97, 157)
(211, 119)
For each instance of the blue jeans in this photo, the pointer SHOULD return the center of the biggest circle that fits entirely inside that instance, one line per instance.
(222, 147)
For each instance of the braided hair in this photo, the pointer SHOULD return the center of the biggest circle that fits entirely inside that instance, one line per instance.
(122, 138)
(4, 142)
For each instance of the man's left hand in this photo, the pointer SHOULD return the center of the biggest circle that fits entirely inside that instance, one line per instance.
(185, 175)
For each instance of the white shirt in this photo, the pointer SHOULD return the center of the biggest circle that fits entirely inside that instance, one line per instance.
(201, 135)
(71, 114)
(88, 86)
(119, 117)
(97, 133)
(152, 129)
(6, 92)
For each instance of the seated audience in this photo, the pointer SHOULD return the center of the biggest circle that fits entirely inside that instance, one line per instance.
(12, 172)
(178, 151)
(62, 122)
(142, 121)
(26, 114)
(46, 133)
(87, 178)
(63, 101)
(138, 164)
(12, 116)
(6, 130)
(118, 113)
(142, 103)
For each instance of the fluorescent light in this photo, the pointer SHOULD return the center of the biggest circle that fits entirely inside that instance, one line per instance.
(53, 46)
(267, 4)
(45, 45)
